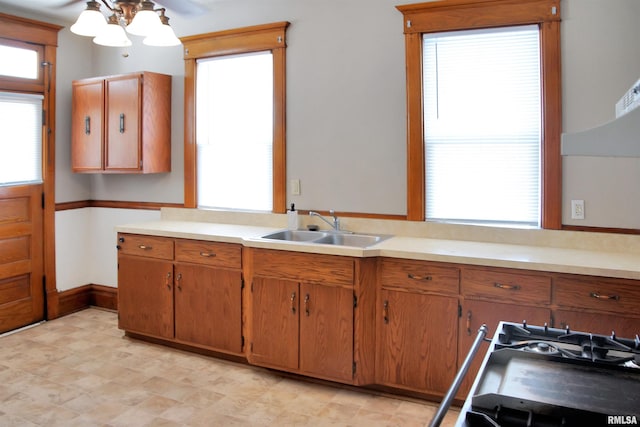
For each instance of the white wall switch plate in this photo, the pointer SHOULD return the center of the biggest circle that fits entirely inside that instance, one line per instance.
(295, 187)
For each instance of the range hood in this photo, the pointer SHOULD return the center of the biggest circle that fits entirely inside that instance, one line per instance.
(619, 138)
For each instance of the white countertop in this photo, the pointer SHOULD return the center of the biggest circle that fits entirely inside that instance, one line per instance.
(541, 258)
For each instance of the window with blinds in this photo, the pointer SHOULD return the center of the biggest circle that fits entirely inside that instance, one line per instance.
(482, 125)
(21, 142)
(234, 132)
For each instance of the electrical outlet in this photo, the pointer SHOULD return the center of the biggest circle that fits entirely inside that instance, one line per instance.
(577, 209)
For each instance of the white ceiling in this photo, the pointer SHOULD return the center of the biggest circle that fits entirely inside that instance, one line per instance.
(68, 10)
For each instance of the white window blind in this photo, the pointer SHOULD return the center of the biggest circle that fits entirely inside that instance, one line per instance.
(21, 141)
(234, 132)
(482, 111)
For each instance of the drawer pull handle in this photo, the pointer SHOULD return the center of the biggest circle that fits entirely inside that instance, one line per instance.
(469, 315)
(207, 254)
(167, 281)
(507, 287)
(145, 248)
(293, 302)
(306, 305)
(385, 311)
(411, 276)
(604, 297)
(179, 281)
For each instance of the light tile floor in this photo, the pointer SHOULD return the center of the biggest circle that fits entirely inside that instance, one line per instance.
(80, 370)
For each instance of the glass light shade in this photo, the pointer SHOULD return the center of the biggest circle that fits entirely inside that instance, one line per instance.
(145, 23)
(163, 36)
(112, 35)
(89, 23)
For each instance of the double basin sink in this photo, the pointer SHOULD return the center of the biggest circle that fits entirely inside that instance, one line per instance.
(327, 237)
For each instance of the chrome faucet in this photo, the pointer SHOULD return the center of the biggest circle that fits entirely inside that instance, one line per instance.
(336, 221)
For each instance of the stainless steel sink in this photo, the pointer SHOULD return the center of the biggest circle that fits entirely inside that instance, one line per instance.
(327, 238)
(359, 240)
(296, 235)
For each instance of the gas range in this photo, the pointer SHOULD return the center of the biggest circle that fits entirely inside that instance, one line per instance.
(541, 376)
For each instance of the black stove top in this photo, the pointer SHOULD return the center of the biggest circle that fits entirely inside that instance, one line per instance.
(541, 376)
(598, 349)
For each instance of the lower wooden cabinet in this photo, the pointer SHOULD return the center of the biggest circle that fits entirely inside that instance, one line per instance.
(303, 327)
(596, 304)
(398, 323)
(275, 323)
(303, 311)
(475, 313)
(491, 295)
(417, 348)
(145, 296)
(207, 307)
(326, 331)
(180, 290)
(598, 323)
(417, 325)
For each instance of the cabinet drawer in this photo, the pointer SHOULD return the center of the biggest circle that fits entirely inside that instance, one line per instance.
(147, 246)
(620, 297)
(210, 253)
(419, 275)
(316, 268)
(505, 286)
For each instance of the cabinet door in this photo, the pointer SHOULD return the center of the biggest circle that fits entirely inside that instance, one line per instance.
(87, 126)
(123, 106)
(207, 307)
(274, 323)
(418, 337)
(474, 314)
(326, 331)
(625, 327)
(145, 296)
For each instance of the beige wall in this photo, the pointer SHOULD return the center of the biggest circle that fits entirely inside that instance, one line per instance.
(346, 106)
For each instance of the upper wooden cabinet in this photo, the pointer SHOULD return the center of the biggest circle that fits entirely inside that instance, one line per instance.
(122, 124)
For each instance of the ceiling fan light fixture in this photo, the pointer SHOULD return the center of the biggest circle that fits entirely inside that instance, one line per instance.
(163, 36)
(90, 21)
(112, 34)
(137, 17)
(145, 21)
